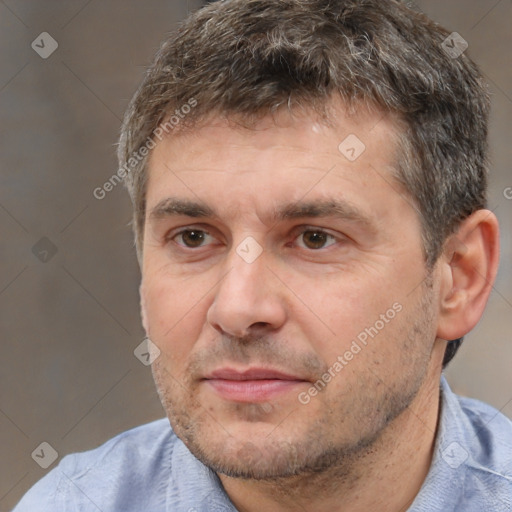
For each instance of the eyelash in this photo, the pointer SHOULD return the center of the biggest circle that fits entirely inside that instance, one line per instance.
(300, 233)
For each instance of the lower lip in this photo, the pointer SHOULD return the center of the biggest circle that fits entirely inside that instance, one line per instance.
(252, 390)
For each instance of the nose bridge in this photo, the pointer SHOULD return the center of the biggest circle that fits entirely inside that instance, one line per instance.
(246, 260)
(247, 275)
(248, 293)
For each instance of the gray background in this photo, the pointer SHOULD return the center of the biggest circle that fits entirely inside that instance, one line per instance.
(69, 325)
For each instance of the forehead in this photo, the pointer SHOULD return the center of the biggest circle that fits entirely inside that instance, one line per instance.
(285, 158)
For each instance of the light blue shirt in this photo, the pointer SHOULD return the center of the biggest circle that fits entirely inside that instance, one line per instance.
(148, 469)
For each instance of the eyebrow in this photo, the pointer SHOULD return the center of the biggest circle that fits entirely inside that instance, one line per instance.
(173, 206)
(336, 208)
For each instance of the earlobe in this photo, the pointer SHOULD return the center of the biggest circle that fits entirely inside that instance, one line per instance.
(468, 269)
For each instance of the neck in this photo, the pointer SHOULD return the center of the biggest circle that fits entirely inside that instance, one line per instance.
(387, 477)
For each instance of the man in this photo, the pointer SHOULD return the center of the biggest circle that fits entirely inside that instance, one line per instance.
(309, 181)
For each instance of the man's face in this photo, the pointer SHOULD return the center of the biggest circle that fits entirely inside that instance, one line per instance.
(292, 309)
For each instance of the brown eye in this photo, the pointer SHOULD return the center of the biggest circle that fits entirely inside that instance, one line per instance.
(192, 237)
(316, 239)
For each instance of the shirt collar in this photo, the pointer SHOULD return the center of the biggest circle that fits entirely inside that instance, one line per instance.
(466, 473)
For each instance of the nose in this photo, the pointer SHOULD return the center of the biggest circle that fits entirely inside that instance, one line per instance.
(248, 300)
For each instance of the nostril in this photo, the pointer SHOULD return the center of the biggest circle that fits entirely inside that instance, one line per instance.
(259, 325)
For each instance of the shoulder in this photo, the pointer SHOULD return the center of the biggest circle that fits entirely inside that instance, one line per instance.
(126, 472)
(471, 469)
(483, 415)
(135, 448)
(478, 455)
(490, 438)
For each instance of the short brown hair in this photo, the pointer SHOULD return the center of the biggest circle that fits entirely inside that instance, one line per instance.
(248, 58)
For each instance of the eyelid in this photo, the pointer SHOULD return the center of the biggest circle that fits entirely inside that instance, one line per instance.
(187, 227)
(306, 227)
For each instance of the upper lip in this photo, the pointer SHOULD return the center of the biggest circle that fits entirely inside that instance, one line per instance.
(251, 374)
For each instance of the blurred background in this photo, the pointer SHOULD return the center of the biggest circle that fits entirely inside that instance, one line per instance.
(69, 277)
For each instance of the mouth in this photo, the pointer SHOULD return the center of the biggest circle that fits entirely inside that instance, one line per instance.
(252, 385)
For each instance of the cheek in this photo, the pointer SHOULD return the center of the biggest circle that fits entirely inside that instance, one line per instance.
(341, 305)
(343, 311)
(175, 314)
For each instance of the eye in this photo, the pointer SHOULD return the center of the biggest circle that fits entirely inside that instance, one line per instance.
(191, 238)
(315, 239)
(310, 238)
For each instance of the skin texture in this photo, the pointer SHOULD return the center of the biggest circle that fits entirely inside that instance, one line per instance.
(299, 306)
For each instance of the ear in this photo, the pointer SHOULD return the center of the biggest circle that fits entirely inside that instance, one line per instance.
(468, 268)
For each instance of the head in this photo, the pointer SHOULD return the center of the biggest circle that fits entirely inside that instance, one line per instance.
(348, 117)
